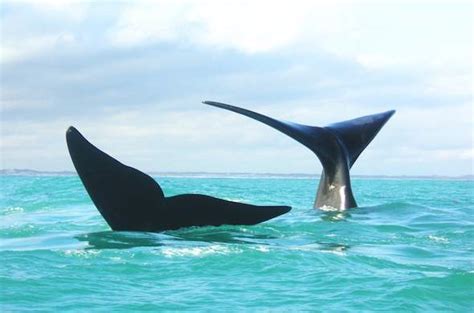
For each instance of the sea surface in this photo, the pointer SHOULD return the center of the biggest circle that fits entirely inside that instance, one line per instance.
(409, 247)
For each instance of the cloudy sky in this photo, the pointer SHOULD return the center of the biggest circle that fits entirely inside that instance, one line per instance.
(131, 76)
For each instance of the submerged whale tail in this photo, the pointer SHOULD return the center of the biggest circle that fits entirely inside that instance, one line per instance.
(337, 146)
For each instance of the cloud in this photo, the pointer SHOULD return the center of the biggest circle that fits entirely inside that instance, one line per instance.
(370, 33)
(17, 50)
(131, 76)
(248, 26)
(75, 10)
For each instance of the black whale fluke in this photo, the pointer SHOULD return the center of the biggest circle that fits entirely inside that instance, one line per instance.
(337, 146)
(130, 200)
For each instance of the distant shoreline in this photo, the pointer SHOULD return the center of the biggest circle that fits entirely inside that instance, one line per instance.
(30, 172)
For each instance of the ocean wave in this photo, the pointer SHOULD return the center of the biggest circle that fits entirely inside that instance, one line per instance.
(170, 252)
(11, 210)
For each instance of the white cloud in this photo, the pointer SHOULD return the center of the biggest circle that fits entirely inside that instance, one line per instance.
(35, 28)
(408, 52)
(415, 141)
(248, 26)
(75, 10)
(377, 35)
(19, 49)
(447, 83)
(454, 154)
(378, 61)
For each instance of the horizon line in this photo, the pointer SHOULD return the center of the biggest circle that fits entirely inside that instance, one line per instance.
(196, 174)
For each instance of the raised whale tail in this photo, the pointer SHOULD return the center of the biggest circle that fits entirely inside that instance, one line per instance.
(337, 146)
(131, 200)
(122, 194)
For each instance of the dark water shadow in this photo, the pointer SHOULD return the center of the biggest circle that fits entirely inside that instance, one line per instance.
(128, 240)
(228, 235)
(195, 236)
(222, 234)
(332, 247)
(120, 240)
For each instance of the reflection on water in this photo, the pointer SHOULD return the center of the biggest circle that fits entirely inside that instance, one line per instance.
(120, 240)
(335, 216)
(333, 247)
(216, 235)
(189, 237)
(126, 240)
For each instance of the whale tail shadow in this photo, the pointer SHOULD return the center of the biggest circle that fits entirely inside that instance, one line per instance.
(337, 146)
(130, 200)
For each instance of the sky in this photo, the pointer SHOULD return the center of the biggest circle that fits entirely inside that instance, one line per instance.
(131, 76)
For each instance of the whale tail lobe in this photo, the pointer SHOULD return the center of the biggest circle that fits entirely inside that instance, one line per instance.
(337, 146)
(122, 194)
(131, 200)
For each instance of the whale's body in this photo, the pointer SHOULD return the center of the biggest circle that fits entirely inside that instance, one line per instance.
(130, 200)
(337, 146)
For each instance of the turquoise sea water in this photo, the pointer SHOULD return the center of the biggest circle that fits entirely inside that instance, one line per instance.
(409, 247)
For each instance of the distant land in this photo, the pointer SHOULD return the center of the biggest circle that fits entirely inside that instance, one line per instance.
(30, 172)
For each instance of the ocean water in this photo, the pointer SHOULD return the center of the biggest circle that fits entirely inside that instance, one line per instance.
(409, 247)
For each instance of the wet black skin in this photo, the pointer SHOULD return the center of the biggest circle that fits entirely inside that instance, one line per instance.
(337, 146)
(130, 200)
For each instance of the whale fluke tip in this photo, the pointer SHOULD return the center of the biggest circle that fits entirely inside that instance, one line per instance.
(217, 104)
(71, 132)
(391, 112)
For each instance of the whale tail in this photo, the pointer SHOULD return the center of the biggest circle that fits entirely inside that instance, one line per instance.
(122, 194)
(130, 200)
(337, 146)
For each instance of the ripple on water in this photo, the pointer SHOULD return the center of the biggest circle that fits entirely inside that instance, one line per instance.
(400, 251)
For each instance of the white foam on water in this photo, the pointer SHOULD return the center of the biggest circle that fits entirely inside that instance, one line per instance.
(81, 253)
(336, 250)
(328, 208)
(262, 248)
(13, 210)
(197, 251)
(438, 239)
(117, 259)
(314, 247)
